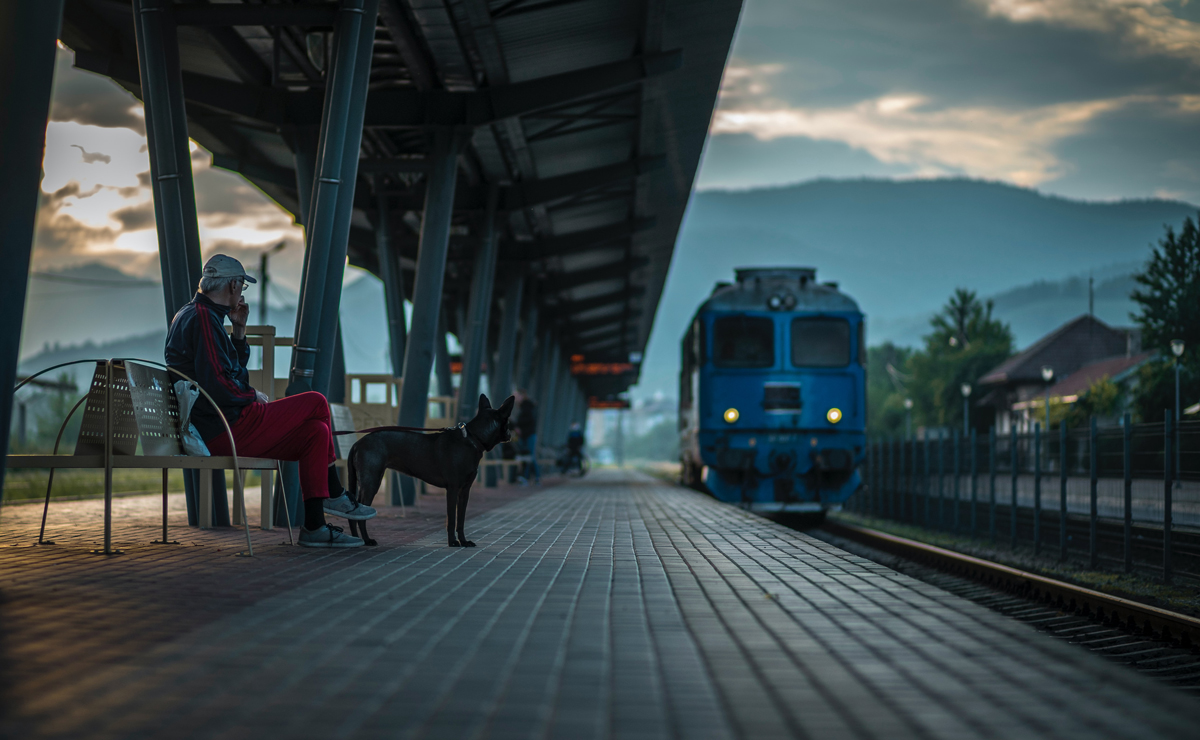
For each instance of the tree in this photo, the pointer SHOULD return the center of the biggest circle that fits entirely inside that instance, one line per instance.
(1169, 300)
(886, 391)
(1101, 399)
(965, 343)
(1169, 295)
(1154, 392)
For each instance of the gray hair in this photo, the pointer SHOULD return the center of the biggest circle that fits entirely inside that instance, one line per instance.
(217, 284)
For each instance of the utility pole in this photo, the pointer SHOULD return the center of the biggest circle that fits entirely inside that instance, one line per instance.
(262, 291)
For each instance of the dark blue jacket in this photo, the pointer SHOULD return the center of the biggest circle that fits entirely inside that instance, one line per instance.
(198, 347)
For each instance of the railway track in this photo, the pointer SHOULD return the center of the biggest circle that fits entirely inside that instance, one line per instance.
(1146, 540)
(1157, 642)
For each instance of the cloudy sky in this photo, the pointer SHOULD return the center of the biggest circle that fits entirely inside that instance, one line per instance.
(96, 204)
(1093, 99)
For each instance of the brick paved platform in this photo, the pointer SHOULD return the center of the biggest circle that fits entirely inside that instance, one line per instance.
(614, 606)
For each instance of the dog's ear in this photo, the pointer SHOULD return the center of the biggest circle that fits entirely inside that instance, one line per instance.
(507, 406)
(483, 402)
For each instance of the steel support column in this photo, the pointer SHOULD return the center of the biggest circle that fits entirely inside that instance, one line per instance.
(500, 382)
(479, 312)
(562, 391)
(328, 226)
(540, 381)
(392, 279)
(524, 371)
(170, 155)
(304, 141)
(28, 31)
(548, 388)
(171, 185)
(330, 370)
(441, 358)
(427, 287)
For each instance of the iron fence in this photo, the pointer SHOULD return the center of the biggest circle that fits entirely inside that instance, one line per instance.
(1126, 496)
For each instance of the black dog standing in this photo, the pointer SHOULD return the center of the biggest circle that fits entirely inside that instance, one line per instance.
(448, 459)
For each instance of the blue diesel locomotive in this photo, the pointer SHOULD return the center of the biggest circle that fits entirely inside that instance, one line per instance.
(772, 392)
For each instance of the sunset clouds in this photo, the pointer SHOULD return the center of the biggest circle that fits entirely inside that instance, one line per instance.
(96, 203)
(1085, 98)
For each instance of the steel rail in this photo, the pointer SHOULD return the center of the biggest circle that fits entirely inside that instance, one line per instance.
(1129, 614)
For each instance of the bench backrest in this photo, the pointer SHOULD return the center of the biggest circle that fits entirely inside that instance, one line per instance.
(144, 407)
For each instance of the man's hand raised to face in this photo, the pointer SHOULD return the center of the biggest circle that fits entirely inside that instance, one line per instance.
(238, 317)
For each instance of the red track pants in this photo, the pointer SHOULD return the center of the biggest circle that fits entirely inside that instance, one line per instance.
(293, 428)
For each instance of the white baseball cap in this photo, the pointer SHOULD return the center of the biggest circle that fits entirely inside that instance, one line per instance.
(224, 266)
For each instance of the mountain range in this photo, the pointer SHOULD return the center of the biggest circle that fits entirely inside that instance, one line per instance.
(898, 248)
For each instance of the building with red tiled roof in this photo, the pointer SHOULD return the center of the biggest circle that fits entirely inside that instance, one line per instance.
(1015, 388)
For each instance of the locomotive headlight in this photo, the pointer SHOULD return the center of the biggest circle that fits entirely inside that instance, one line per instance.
(731, 415)
(775, 302)
(833, 415)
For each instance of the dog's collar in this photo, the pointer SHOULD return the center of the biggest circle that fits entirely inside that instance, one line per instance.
(467, 435)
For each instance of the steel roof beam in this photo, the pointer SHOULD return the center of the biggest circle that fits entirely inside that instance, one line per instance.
(601, 340)
(575, 242)
(401, 108)
(398, 26)
(582, 327)
(549, 189)
(281, 176)
(546, 190)
(571, 280)
(395, 165)
(204, 14)
(599, 301)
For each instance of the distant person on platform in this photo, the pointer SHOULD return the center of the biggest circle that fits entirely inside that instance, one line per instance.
(294, 428)
(527, 428)
(575, 439)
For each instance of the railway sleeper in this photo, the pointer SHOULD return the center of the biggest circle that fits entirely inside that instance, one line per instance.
(1125, 640)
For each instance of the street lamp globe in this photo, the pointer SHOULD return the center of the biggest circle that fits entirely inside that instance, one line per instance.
(908, 404)
(966, 389)
(1047, 373)
(1177, 347)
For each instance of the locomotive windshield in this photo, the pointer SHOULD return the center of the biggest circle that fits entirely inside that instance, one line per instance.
(743, 341)
(820, 342)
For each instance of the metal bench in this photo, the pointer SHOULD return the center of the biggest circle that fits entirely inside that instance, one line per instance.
(131, 401)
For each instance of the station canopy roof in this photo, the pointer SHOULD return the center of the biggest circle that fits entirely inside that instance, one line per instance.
(590, 114)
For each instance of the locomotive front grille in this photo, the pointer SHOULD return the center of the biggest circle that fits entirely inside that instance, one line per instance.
(781, 397)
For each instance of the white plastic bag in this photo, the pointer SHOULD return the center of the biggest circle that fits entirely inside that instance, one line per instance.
(186, 394)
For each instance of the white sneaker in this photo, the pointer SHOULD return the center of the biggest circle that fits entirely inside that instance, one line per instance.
(342, 506)
(328, 536)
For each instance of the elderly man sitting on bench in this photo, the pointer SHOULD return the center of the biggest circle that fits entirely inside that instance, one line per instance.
(294, 428)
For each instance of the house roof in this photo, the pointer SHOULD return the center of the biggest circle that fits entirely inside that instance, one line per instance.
(1115, 369)
(1076, 344)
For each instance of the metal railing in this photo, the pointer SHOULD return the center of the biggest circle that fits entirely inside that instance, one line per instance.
(1125, 495)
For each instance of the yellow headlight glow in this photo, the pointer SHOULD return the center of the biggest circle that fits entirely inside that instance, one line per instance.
(731, 415)
(834, 415)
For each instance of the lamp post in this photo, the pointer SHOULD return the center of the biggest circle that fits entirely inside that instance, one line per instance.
(1177, 350)
(966, 394)
(908, 404)
(1047, 376)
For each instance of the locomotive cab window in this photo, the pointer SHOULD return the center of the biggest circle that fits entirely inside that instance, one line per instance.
(820, 342)
(743, 341)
